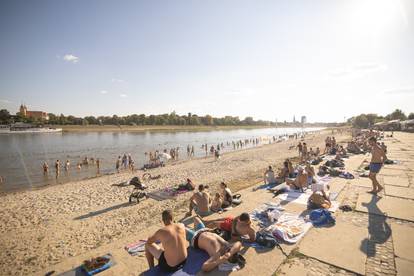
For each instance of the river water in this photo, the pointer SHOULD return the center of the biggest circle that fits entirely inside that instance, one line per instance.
(22, 155)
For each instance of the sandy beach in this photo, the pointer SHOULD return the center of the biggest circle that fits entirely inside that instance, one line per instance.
(42, 227)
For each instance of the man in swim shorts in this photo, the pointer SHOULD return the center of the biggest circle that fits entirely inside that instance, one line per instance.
(173, 253)
(217, 248)
(377, 159)
(238, 227)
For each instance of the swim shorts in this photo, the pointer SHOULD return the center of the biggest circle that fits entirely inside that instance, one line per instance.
(375, 167)
(189, 233)
(227, 224)
(162, 262)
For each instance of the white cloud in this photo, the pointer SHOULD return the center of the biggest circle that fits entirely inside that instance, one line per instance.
(70, 58)
(5, 101)
(104, 92)
(357, 70)
(400, 90)
(123, 95)
(117, 80)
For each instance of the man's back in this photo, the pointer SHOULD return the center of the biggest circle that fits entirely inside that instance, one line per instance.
(173, 240)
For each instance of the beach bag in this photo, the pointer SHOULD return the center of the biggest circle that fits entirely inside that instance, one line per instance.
(321, 217)
(265, 240)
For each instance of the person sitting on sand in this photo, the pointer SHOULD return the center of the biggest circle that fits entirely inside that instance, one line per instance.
(291, 169)
(377, 160)
(317, 152)
(269, 176)
(200, 202)
(238, 227)
(300, 181)
(219, 250)
(227, 195)
(284, 172)
(173, 253)
(319, 199)
(216, 203)
(310, 171)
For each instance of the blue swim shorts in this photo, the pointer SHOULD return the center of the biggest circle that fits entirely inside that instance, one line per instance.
(375, 167)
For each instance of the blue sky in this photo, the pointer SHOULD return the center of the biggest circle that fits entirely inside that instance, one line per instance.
(267, 59)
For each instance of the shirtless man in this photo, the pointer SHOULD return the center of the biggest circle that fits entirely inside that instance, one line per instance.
(377, 159)
(238, 226)
(172, 255)
(217, 248)
(300, 181)
(200, 202)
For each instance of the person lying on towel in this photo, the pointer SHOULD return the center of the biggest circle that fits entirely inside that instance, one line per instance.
(237, 227)
(219, 250)
(172, 255)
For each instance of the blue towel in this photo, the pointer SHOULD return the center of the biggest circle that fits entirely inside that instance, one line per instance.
(195, 260)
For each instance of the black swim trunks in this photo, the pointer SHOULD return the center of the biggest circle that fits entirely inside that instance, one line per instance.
(162, 262)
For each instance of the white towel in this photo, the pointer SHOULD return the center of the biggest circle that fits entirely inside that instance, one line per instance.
(228, 267)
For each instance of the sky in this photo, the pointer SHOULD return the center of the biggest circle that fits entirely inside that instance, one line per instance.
(325, 59)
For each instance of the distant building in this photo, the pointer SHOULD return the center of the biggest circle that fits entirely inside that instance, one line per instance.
(33, 114)
(294, 119)
(303, 119)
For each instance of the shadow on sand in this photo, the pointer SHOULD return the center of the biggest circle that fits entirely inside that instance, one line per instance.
(378, 229)
(99, 212)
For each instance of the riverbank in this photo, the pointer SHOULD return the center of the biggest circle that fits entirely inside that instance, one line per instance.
(43, 227)
(172, 128)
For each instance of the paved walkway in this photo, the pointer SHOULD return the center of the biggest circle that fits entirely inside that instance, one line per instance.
(376, 238)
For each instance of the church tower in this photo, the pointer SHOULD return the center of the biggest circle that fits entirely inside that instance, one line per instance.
(23, 110)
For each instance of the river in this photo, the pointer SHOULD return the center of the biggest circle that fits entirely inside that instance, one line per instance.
(22, 155)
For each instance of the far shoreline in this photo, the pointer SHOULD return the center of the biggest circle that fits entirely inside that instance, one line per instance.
(166, 128)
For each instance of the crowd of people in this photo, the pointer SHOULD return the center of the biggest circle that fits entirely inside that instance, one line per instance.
(66, 166)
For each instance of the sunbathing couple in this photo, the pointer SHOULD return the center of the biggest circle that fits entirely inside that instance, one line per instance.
(172, 253)
(301, 179)
(202, 204)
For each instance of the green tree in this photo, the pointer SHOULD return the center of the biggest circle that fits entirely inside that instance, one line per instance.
(5, 117)
(396, 115)
(361, 121)
(411, 116)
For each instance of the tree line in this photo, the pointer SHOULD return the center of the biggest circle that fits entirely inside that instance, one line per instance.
(136, 119)
(368, 120)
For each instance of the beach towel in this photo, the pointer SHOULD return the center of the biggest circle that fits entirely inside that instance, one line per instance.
(136, 248)
(228, 267)
(289, 228)
(165, 193)
(195, 260)
(346, 175)
(81, 271)
(261, 214)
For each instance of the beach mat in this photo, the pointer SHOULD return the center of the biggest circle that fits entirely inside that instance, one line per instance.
(79, 271)
(195, 260)
(166, 193)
